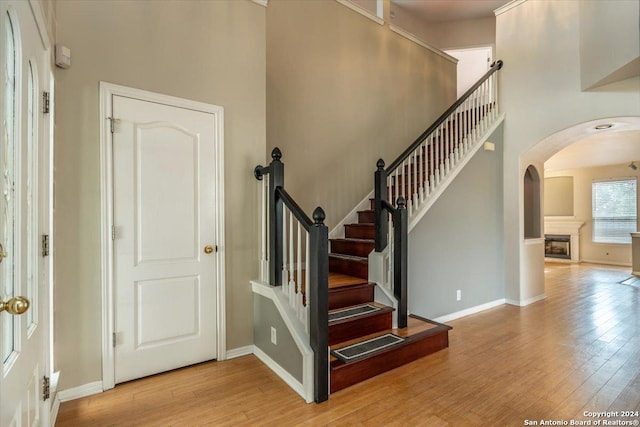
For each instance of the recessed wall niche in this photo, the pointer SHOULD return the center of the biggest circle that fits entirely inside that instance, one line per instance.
(532, 223)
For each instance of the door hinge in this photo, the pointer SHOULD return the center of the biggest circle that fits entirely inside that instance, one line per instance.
(45, 388)
(45, 102)
(114, 340)
(45, 245)
(113, 232)
(112, 123)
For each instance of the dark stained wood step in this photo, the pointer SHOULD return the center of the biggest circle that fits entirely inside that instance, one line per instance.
(431, 338)
(356, 247)
(349, 265)
(346, 296)
(360, 231)
(363, 324)
(366, 217)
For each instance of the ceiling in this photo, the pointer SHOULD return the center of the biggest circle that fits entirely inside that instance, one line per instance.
(609, 148)
(449, 10)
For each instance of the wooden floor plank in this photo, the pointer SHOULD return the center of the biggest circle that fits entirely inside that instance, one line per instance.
(578, 350)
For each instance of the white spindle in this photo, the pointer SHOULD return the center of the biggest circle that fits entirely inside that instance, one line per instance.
(264, 241)
(307, 284)
(285, 263)
(423, 159)
(298, 304)
(432, 171)
(416, 186)
(292, 261)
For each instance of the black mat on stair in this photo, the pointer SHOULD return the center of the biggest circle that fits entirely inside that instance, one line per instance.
(354, 351)
(345, 313)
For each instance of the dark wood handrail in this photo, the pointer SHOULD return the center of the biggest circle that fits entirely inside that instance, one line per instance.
(294, 208)
(406, 153)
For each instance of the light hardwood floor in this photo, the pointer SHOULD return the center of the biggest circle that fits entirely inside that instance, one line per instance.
(576, 351)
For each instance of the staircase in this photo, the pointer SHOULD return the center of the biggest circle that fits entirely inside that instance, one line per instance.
(349, 289)
(328, 296)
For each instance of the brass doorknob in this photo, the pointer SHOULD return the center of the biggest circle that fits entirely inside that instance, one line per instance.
(3, 254)
(16, 305)
(208, 249)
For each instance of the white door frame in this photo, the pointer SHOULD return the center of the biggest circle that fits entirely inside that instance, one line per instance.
(107, 91)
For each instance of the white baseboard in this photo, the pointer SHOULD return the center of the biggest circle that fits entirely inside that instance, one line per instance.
(523, 303)
(619, 264)
(470, 311)
(55, 407)
(281, 372)
(239, 352)
(80, 391)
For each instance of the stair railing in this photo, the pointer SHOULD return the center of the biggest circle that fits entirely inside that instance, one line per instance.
(295, 256)
(418, 171)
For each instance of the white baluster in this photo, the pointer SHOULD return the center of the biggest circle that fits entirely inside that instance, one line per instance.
(285, 263)
(307, 287)
(423, 159)
(416, 187)
(263, 215)
(432, 162)
(292, 263)
(298, 299)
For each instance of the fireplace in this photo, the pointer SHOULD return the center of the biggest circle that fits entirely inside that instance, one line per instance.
(557, 246)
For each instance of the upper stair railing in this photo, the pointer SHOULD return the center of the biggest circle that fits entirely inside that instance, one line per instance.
(295, 256)
(418, 172)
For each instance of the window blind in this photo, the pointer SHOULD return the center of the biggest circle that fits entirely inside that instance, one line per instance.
(614, 210)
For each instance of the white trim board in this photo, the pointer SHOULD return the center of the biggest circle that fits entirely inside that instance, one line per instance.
(107, 91)
(297, 331)
(469, 311)
(240, 351)
(53, 413)
(282, 373)
(526, 302)
(618, 264)
(507, 7)
(361, 11)
(419, 42)
(84, 390)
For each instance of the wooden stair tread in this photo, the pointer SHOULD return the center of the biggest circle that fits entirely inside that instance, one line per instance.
(416, 327)
(349, 257)
(383, 309)
(337, 280)
(422, 338)
(353, 239)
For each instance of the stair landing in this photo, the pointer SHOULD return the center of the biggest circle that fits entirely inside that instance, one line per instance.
(422, 338)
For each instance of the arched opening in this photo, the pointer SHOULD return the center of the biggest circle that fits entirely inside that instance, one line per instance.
(532, 227)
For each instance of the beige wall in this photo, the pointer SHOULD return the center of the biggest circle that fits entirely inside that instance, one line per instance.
(558, 196)
(447, 35)
(582, 179)
(343, 91)
(212, 52)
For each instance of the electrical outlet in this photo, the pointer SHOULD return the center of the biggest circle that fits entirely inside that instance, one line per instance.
(458, 295)
(274, 336)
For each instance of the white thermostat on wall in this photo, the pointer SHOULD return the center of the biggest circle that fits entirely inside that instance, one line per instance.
(63, 56)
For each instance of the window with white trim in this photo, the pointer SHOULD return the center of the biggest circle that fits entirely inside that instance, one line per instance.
(614, 210)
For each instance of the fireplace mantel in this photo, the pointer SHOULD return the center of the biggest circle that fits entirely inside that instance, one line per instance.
(566, 227)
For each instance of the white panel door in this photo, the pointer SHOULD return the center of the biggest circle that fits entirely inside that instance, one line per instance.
(164, 231)
(24, 215)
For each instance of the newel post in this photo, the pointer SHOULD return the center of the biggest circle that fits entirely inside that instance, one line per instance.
(276, 180)
(401, 237)
(380, 194)
(319, 300)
